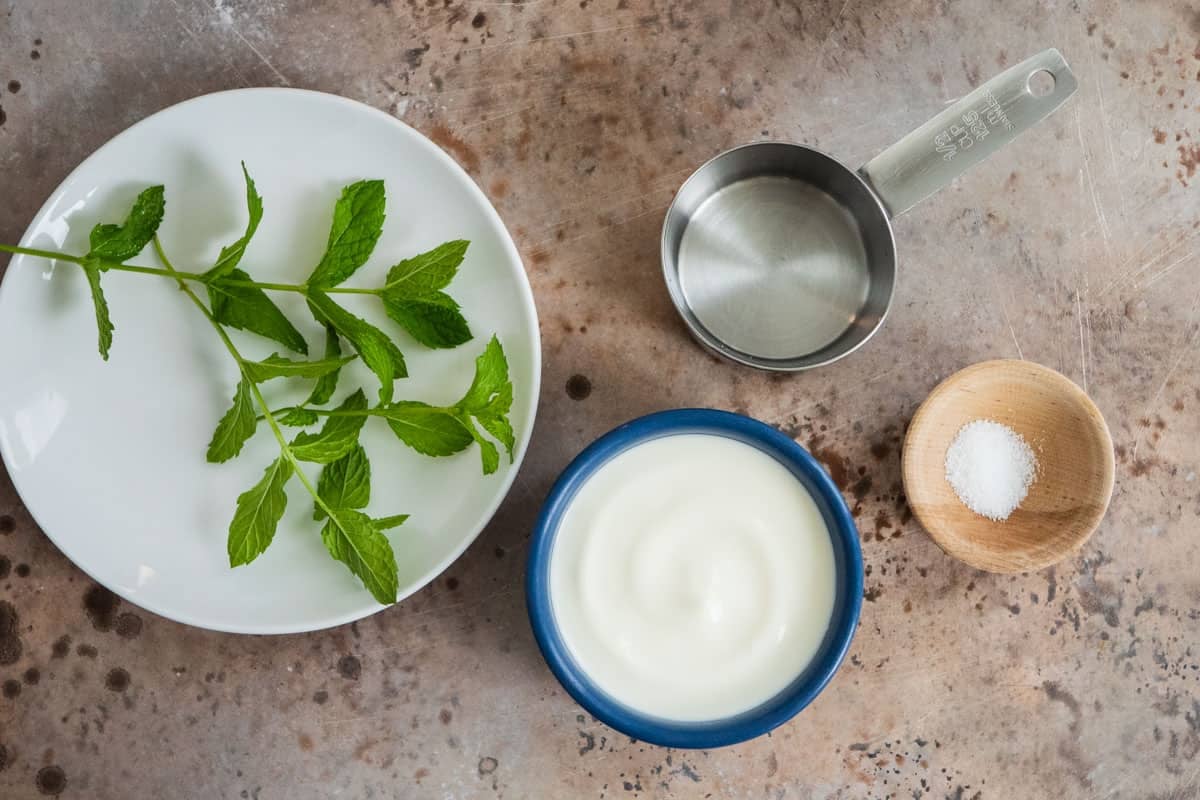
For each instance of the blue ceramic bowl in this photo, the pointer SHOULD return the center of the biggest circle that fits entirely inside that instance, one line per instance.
(806, 686)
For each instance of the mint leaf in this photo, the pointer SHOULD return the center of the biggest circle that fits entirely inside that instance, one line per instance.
(357, 224)
(232, 255)
(387, 523)
(351, 537)
(276, 366)
(327, 384)
(345, 483)
(491, 378)
(120, 242)
(429, 430)
(337, 438)
(433, 320)
(91, 268)
(487, 451)
(298, 417)
(259, 510)
(235, 427)
(249, 309)
(426, 273)
(372, 344)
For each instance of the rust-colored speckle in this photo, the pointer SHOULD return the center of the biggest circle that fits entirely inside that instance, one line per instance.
(872, 594)
(861, 487)
(14, 86)
(10, 634)
(880, 450)
(86, 651)
(479, 20)
(1189, 158)
(320, 697)
(833, 461)
(579, 387)
(1160, 136)
(420, 774)
(1178, 404)
(487, 765)
(445, 716)
(349, 667)
(32, 676)
(128, 625)
(51, 780)
(61, 647)
(306, 742)
(448, 140)
(452, 584)
(117, 679)
(101, 607)
(22, 570)
(7, 524)
(499, 188)
(1142, 466)
(11, 688)
(539, 257)
(1108, 41)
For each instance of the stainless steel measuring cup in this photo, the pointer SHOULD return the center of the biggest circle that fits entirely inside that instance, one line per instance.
(781, 257)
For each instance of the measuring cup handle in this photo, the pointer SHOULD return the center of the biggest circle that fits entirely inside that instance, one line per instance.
(968, 131)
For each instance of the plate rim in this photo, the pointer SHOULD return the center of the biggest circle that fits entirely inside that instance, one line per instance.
(528, 311)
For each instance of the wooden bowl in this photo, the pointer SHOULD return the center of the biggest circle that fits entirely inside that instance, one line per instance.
(1074, 451)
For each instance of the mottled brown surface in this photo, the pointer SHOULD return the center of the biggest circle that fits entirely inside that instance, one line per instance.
(1076, 247)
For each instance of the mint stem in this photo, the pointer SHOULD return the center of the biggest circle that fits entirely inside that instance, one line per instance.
(178, 275)
(241, 362)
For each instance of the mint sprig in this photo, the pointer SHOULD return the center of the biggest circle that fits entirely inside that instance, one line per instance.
(413, 297)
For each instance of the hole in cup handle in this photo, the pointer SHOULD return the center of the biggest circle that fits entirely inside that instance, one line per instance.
(1040, 83)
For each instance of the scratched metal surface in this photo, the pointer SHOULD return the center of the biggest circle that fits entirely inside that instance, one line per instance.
(1076, 247)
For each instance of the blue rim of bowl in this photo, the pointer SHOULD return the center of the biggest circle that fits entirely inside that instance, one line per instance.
(848, 593)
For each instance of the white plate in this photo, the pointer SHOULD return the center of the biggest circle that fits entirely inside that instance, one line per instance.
(109, 457)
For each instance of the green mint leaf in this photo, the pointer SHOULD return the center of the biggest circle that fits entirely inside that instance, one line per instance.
(427, 272)
(337, 437)
(259, 510)
(91, 268)
(298, 417)
(376, 349)
(491, 378)
(249, 309)
(232, 255)
(501, 430)
(487, 451)
(345, 483)
(120, 242)
(327, 384)
(277, 366)
(494, 418)
(351, 537)
(387, 523)
(429, 430)
(488, 401)
(433, 320)
(235, 427)
(357, 224)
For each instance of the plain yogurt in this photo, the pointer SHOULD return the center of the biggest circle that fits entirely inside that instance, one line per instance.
(692, 577)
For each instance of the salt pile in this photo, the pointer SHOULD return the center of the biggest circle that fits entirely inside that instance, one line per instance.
(990, 468)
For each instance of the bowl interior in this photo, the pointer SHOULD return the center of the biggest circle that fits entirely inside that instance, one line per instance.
(826, 184)
(1068, 435)
(848, 589)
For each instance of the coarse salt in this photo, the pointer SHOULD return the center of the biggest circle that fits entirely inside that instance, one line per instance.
(990, 467)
